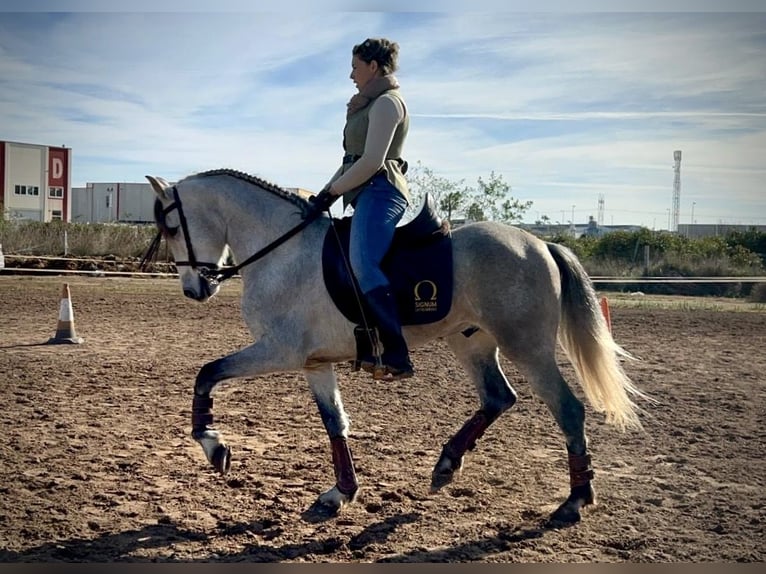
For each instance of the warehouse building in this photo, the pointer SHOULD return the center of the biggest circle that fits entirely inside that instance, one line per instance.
(36, 181)
(120, 202)
(113, 202)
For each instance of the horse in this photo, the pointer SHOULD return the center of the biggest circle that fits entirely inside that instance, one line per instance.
(513, 293)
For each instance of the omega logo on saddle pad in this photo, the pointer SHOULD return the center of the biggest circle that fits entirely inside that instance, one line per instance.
(429, 303)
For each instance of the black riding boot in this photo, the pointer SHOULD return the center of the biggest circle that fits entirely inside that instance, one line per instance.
(395, 358)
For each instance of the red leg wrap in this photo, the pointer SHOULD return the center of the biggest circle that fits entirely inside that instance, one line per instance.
(202, 415)
(580, 471)
(345, 476)
(465, 439)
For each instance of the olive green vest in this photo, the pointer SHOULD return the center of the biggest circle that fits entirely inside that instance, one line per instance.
(354, 137)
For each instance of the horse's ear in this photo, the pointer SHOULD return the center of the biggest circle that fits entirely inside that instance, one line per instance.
(159, 185)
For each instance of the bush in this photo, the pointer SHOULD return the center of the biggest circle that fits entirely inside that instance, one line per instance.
(646, 253)
(79, 239)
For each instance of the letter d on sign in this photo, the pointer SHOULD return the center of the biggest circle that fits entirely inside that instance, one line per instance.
(58, 168)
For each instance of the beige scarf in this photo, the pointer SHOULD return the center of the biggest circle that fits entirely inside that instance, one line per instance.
(369, 92)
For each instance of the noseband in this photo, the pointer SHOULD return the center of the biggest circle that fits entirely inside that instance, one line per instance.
(160, 215)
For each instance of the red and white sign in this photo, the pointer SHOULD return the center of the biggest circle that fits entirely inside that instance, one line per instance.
(58, 167)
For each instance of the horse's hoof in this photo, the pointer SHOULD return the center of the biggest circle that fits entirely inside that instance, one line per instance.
(444, 472)
(569, 512)
(221, 460)
(321, 511)
(565, 515)
(329, 504)
(441, 479)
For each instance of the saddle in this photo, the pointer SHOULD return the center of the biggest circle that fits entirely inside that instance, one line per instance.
(418, 265)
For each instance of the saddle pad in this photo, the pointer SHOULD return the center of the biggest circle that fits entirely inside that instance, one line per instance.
(420, 273)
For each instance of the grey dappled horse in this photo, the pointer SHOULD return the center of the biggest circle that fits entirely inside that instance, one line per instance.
(515, 293)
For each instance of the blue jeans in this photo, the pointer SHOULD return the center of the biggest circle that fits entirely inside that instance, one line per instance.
(377, 210)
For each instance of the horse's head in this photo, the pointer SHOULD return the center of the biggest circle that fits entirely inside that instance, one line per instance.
(184, 219)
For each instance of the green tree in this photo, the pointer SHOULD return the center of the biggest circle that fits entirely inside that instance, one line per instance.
(492, 199)
(449, 196)
(452, 202)
(474, 212)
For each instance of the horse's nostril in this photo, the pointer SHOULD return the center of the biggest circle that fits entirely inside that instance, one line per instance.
(190, 294)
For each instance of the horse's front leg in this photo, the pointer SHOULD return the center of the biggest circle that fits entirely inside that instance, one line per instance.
(259, 358)
(218, 453)
(324, 387)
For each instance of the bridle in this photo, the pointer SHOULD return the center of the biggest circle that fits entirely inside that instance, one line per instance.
(212, 272)
(160, 215)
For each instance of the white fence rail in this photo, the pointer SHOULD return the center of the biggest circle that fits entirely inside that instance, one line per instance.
(597, 279)
(605, 279)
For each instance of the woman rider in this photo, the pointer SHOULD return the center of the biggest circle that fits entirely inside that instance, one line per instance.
(371, 180)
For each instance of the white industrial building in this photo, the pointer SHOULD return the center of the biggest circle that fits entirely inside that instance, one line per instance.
(113, 202)
(121, 202)
(36, 181)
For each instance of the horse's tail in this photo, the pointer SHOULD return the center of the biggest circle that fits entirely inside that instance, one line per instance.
(587, 341)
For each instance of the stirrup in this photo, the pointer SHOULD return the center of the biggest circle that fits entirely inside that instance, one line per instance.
(389, 373)
(368, 365)
(366, 343)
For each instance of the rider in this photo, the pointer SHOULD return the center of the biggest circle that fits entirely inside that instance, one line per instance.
(371, 179)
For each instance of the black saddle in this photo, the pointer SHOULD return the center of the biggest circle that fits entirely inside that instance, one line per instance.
(418, 266)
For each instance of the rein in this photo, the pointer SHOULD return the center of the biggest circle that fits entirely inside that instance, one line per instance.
(211, 271)
(220, 274)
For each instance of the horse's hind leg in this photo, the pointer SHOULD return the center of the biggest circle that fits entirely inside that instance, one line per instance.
(546, 380)
(324, 387)
(479, 356)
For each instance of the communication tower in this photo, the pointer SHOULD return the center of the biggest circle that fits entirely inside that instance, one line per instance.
(600, 217)
(676, 190)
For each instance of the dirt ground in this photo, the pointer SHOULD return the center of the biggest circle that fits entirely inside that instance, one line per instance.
(98, 464)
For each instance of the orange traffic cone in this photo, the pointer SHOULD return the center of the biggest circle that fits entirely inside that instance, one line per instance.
(65, 332)
(607, 314)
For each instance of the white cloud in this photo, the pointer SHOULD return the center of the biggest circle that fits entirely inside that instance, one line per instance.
(566, 107)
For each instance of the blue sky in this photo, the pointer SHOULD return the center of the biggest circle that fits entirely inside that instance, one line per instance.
(565, 106)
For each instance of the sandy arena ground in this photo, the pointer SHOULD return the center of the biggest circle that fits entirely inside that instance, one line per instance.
(98, 464)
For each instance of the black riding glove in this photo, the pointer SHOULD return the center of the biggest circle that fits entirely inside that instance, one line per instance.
(322, 201)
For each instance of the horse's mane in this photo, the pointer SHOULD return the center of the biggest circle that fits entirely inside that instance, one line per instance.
(263, 184)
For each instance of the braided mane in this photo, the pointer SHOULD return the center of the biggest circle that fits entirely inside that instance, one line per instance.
(263, 184)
